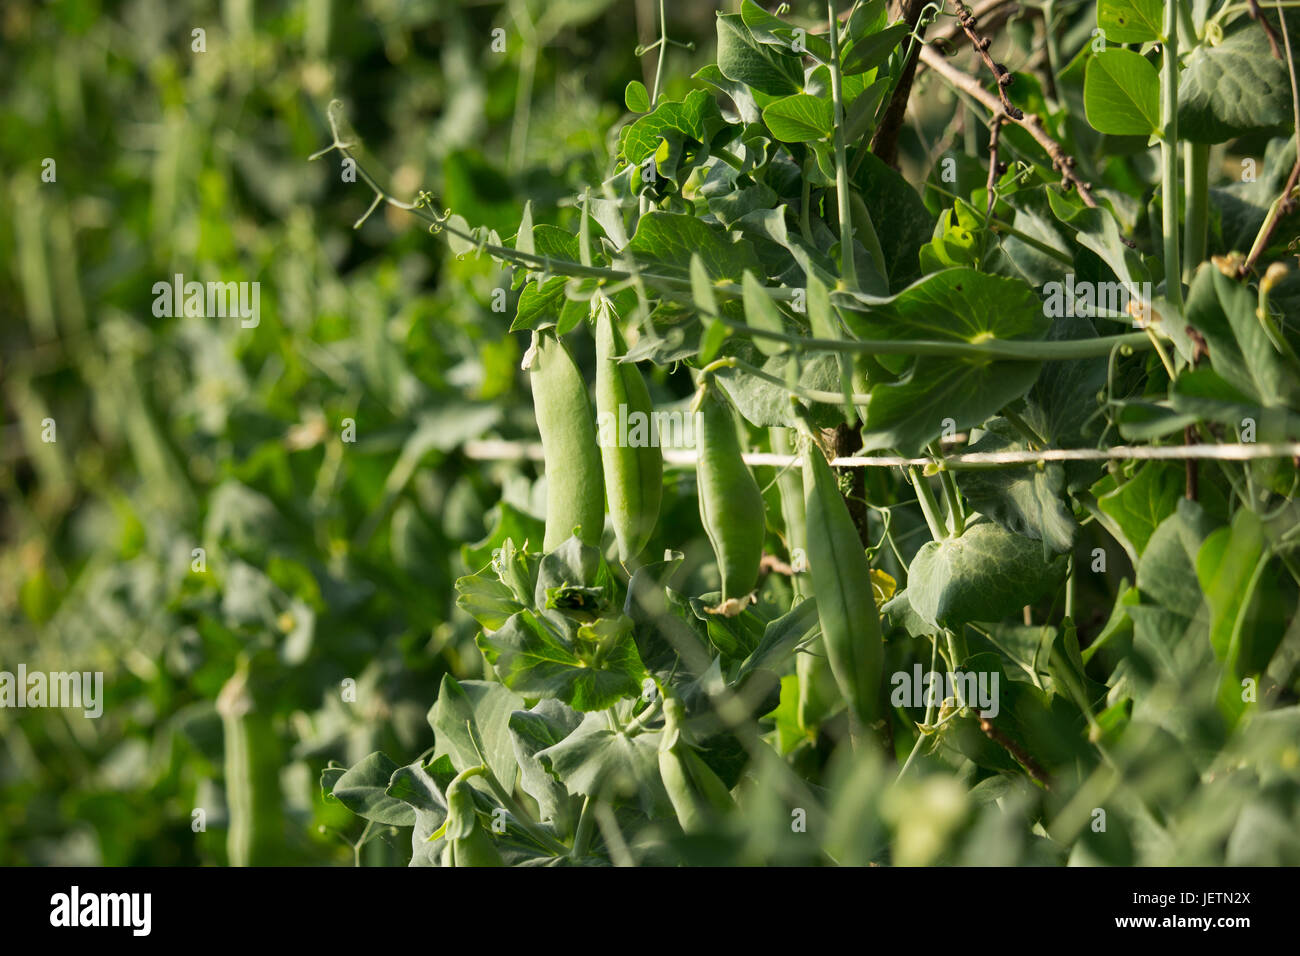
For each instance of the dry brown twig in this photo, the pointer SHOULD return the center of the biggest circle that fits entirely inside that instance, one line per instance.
(1061, 160)
(968, 22)
(1257, 15)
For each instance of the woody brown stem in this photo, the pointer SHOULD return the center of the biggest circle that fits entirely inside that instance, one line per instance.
(1021, 756)
(884, 142)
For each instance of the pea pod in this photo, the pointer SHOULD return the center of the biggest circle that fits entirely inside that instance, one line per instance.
(467, 842)
(697, 794)
(629, 450)
(841, 579)
(818, 692)
(731, 506)
(252, 767)
(575, 491)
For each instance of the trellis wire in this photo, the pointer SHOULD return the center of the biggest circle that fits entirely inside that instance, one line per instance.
(496, 450)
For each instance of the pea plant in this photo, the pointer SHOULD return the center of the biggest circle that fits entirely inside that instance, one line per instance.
(977, 540)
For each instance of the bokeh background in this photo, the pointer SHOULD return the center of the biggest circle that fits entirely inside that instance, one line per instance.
(326, 560)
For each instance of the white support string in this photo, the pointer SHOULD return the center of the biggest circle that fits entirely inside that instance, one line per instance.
(496, 450)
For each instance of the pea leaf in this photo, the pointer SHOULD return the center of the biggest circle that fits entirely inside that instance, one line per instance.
(636, 97)
(956, 305)
(671, 239)
(363, 790)
(1141, 503)
(1131, 21)
(761, 313)
(984, 575)
(873, 50)
(801, 118)
(533, 731)
(1026, 501)
(696, 117)
(474, 708)
(1121, 94)
(595, 669)
(1233, 89)
(766, 28)
(597, 761)
(762, 67)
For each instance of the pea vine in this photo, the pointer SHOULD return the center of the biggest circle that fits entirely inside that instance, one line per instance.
(994, 469)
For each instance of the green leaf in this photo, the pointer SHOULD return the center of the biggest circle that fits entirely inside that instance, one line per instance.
(955, 305)
(1227, 567)
(801, 118)
(1121, 94)
(761, 313)
(1148, 498)
(1131, 21)
(1233, 89)
(363, 790)
(597, 761)
(984, 575)
(637, 97)
(471, 709)
(762, 67)
(532, 731)
(672, 239)
(1026, 501)
(591, 672)
(781, 636)
(696, 117)
(486, 599)
(1223, 311)
(874, 50)
(766, 28)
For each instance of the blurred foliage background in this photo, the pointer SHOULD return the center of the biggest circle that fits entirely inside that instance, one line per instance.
(325, 560)
(328, 564)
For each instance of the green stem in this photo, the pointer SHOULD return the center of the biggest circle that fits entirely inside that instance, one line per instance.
(1036, 440)
(848, 267)
(1010, 349)
(586, 820)
(951, 496)
(1169, 157)
(1197, 169)
(929, 507)
(663, 52)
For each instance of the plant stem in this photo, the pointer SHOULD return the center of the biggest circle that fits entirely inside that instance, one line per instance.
(929, 507)
(1011, 349)
(1169, 157)
(848, 268)
(582, 838)
(663, 53)
(1197, 168)
(951, 496)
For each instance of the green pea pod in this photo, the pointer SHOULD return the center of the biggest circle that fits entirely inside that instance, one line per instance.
(697, 794)
(841, 579)
(468, 843)
(790, 487)
(252, 766)
(575, 491)
(731, 506)
(634, 467)
(818, 692)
